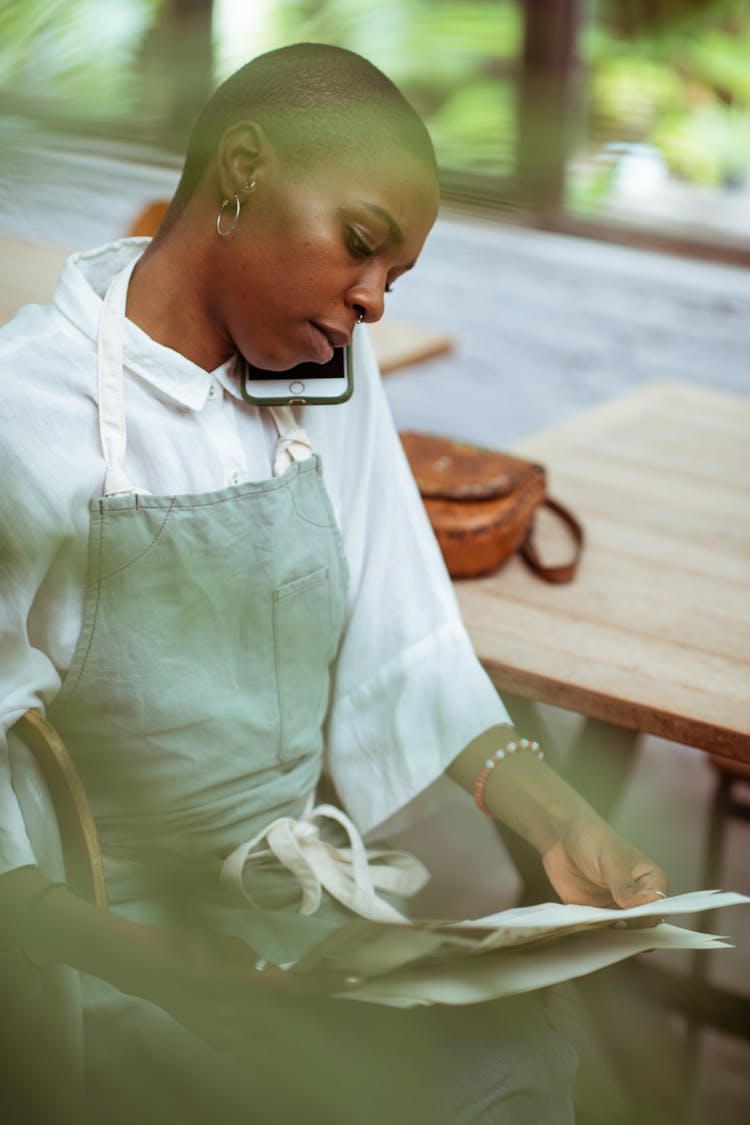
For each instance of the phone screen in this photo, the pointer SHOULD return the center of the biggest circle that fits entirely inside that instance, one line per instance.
(333, 369)
(314, 383)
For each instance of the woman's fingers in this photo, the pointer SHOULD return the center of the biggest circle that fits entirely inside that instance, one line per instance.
(239, 962)
(294, 984)
(644, 882)
(225, 992)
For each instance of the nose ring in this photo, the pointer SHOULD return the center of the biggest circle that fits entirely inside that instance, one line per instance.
(361, 318)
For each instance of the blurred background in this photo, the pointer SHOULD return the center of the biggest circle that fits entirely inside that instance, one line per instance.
(624, 118)
(594, 237)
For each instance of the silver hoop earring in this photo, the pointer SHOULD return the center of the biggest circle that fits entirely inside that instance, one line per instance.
(227, 203)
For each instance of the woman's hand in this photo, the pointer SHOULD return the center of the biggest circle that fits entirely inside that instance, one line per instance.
(211, 984)
(592, 865)
(585, 860)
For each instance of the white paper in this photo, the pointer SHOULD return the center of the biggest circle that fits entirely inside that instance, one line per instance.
(558, 913)
(512, 971)
(518, 950)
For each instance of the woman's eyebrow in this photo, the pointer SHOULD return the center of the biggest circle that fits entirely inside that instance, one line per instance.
(393, 227)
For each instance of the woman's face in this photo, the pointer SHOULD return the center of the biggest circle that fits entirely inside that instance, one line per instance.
(310, 254)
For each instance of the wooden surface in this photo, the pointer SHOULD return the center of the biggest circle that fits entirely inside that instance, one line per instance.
(654, 633)
(398, 344)
(28, 275)
(30, 272)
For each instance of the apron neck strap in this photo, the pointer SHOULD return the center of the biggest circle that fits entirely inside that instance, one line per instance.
(292, 445)
(112, 430)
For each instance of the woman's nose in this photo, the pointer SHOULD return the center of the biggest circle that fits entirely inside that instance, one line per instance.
(368, 299)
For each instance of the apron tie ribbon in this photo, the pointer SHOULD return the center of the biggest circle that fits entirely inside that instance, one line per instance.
(349, 874)
(293, 443)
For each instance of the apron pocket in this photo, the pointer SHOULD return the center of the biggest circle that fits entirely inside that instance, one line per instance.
(303, 640)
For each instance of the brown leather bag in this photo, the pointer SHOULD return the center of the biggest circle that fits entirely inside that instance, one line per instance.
(481, 505)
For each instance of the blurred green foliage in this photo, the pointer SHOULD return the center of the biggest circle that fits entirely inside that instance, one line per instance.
(456, 61)
(674, 74)
(82, 55)
(681, 85)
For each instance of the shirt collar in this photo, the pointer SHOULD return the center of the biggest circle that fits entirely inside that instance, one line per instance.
(79, 295)
(228, 375)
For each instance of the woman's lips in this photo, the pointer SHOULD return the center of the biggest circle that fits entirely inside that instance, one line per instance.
(321, 344)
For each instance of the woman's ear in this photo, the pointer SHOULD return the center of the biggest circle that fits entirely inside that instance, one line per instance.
(244, 151)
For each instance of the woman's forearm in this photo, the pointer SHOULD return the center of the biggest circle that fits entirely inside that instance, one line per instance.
(521, 791)
(208, 982)
(62, 928)
(585, 860)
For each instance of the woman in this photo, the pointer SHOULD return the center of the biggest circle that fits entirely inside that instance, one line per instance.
(238, 628)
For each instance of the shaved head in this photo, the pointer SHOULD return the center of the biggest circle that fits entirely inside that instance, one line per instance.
(315, 103)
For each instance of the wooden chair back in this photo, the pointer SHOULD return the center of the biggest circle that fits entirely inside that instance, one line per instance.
(41, 1031)
(44, 770)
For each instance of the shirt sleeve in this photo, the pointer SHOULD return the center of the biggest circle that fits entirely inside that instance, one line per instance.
(36, 530)
(28, 543)
(409, 692)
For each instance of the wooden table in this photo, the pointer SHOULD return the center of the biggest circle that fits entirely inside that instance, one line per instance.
(29, 274)
(654, 633)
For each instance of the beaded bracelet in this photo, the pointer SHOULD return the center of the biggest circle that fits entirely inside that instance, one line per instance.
(489, 765)
(31, 910)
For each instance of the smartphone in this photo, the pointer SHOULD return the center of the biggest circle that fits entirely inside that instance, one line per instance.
(307, 383)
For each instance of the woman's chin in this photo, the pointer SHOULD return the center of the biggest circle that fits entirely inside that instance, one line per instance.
(279, 364)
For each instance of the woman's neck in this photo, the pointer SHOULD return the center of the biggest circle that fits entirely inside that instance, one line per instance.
(166, 300)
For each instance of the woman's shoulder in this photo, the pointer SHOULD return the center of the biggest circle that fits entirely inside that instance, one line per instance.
(42, 359)
(48, 394)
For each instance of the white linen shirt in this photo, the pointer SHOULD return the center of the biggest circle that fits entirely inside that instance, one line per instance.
(408, 693)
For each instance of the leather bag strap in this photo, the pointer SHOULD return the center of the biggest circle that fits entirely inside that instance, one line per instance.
(564, 572)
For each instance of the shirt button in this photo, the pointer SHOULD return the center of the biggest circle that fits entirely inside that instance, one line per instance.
(234, 478)
(213, 391)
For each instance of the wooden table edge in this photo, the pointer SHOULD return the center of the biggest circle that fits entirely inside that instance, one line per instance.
(543, 442)
(728, 744)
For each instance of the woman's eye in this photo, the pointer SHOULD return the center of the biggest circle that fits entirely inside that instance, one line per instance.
(357, 245)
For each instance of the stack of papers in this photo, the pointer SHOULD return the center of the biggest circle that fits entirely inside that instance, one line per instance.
(519, 950)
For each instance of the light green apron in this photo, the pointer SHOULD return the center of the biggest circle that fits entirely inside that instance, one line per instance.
(194, 708)
(195, 703)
